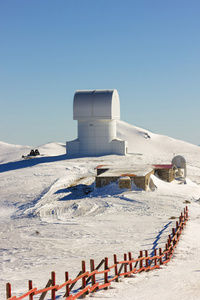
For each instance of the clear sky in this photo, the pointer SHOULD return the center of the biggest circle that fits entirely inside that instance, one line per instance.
(149, 50)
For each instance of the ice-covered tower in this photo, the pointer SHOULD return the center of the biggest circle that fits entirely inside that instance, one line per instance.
(96, 112)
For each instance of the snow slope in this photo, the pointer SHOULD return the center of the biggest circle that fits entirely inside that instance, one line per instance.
(52, 218)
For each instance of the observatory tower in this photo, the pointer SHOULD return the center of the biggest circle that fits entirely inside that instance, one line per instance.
(96, 112)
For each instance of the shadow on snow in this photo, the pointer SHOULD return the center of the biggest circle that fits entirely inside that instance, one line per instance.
(27, 163)
(79, 191)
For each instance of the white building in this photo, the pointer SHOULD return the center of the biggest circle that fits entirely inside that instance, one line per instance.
(96, 112)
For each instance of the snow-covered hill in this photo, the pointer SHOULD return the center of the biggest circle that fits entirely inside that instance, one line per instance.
(51, 217)
(151, 145)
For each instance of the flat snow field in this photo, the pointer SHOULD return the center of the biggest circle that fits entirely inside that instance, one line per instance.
(49, 223)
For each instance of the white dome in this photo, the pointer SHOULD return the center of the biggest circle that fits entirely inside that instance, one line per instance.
(96, 104)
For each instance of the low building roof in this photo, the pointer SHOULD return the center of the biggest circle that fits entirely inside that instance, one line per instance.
(101, 167)
(130, 172)
(163, 166)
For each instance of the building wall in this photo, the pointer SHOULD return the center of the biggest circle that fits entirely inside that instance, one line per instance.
(125, 183)
(95, 136)
(102, 181)
(142, 182)
(166, 174)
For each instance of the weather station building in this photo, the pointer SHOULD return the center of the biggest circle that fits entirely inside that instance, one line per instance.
(96, 112)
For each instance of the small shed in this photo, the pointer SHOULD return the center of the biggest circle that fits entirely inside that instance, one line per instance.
(137, 175)
(165, 172)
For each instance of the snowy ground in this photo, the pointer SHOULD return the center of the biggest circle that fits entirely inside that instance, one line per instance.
(49, 221)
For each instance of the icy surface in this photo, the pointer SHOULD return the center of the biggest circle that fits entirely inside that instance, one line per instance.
(52, 217)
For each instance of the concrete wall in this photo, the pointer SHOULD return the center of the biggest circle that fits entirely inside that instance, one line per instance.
(142, 182)
(125, 183)
(102, 181)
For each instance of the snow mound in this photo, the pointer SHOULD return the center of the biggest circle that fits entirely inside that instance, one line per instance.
(51, 149)
(185, 188)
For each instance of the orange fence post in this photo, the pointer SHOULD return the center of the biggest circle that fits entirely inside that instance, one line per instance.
(186, 212)
(169, 241)
(173, 234)
(84, 278)
(116, 271)
(125, 265)
(176, 225)
(53, 279)
(166, 254)
(147, 261)
(92, 268)
(155, 260)
(181, 219)
(67, 286)
(8, 290)
(106, 274)
(160, 253)
(130, 258)
(141, 261)
(30, 287)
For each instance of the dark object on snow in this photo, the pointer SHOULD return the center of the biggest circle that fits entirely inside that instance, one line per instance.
(37, 152)
(32, 153)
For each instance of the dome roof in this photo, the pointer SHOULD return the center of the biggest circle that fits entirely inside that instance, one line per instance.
(96, 104)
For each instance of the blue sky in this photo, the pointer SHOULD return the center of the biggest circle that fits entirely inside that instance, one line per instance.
(148, 50)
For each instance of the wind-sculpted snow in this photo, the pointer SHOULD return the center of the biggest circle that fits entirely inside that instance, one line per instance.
(52, 217)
